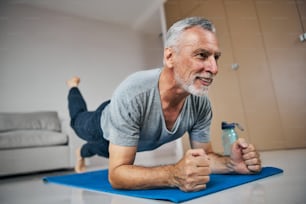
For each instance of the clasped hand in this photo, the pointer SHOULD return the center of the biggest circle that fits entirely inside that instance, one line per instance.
(193, 171)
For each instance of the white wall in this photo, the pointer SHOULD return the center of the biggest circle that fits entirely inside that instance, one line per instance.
(41, 49)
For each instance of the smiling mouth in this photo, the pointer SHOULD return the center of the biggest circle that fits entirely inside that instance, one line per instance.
(205, 81)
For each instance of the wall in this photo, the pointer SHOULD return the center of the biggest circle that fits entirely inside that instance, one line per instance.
(267, 93)
(41, 49)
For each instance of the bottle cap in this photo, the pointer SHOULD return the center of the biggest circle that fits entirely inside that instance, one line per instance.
(225, 125)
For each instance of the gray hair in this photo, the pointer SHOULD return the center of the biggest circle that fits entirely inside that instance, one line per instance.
(179, 27)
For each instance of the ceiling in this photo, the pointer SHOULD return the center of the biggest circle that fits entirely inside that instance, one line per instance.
(142, 15)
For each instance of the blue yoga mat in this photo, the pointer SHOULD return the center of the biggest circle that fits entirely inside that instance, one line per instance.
(98, 181)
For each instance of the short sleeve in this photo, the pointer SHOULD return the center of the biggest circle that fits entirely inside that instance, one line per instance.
(200, 131)
(123, 120)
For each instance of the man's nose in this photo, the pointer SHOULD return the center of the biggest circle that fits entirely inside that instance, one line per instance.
(212, 65)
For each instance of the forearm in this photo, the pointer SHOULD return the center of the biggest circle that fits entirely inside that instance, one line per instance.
(191, 173)
(139, 177)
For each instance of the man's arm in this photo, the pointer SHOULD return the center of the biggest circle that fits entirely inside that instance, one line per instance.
(244, 158)
(191, 173)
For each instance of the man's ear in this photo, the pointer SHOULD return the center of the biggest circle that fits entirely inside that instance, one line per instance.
(168, 57)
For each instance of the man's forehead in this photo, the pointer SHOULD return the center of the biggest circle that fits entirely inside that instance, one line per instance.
(199, 43)
(196, 36)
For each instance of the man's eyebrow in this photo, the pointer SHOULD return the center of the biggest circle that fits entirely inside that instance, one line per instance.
(217, 53)
(202, 50)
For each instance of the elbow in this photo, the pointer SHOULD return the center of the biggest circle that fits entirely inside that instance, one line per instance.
(113, 182)
(116, 182)
(115, 185)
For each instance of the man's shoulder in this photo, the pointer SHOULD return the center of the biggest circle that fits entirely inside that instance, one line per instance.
(139, 82)
(144, 76)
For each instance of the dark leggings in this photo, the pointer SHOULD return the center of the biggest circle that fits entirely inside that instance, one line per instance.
(86, 124)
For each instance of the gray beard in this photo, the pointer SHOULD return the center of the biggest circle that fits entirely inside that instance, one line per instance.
(189, 86)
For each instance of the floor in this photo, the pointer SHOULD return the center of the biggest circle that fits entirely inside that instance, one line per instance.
(286, 188)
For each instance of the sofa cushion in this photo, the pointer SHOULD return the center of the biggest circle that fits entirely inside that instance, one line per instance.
(31, 138)
(43, 120)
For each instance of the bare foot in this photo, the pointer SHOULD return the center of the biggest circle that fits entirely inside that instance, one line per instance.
(80, 165)
(73, 82)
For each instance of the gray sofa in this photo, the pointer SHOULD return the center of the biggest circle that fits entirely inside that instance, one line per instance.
(35, 141)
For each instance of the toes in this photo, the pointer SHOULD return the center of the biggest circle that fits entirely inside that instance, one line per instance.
(73, 82)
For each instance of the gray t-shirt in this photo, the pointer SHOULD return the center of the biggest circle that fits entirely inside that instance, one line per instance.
(135, 118)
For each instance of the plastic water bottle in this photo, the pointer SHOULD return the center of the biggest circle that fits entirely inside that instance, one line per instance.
(229, 136)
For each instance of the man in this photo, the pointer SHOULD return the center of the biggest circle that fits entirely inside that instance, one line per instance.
(157, 106)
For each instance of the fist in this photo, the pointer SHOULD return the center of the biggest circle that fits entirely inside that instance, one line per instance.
(245, 158)
(192, 172)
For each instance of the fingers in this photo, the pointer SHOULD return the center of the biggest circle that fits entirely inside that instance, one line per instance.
(192, 172)
(249, 155)
(197, 157)
(251, 158)
(195, 185)
(253, 163)
(194, 188)
(255, 168)
(196, 152)
(248, 150)
(242, 143)
(196, 179)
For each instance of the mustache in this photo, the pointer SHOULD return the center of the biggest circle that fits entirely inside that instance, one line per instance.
(206, 75)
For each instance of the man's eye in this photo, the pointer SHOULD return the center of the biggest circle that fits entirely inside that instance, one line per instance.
(217, 56)
(203, 55)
